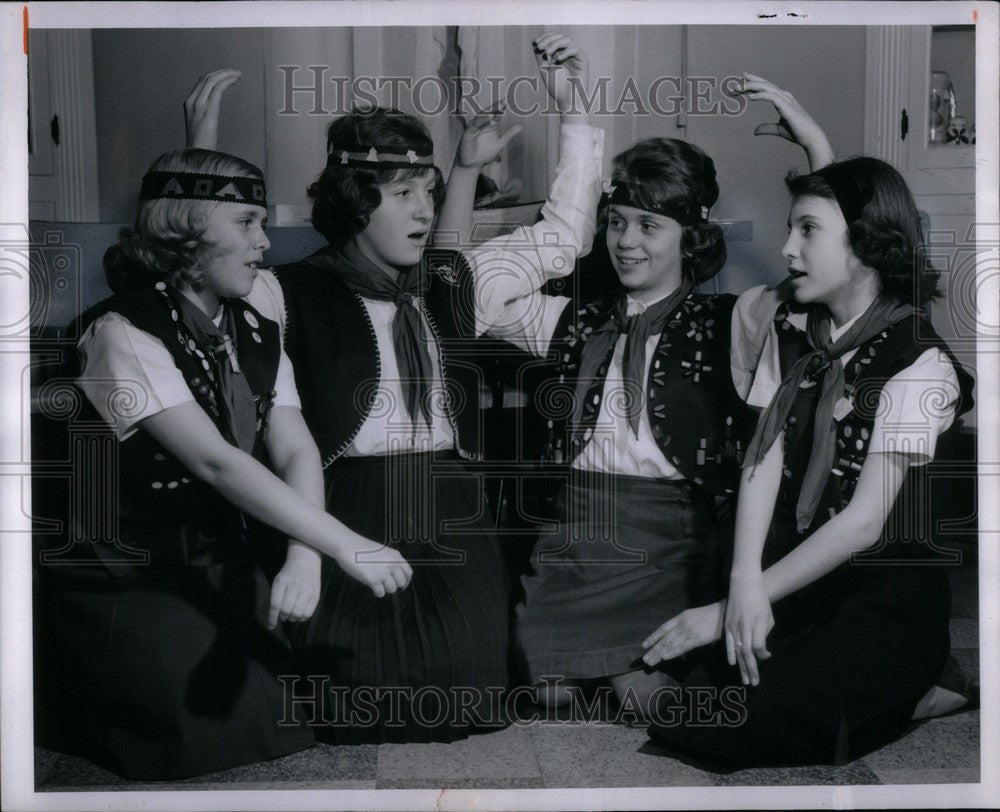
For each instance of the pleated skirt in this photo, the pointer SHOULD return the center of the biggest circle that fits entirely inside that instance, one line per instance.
(167, 670)
(428, 663)
(629, 554)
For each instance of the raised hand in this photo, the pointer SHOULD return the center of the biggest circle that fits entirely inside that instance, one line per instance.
(482, 141)
(748, 622)
(794, 123)
(562, 65)
(689, 630)
(295, 591)
(377, 566)
(201, 107)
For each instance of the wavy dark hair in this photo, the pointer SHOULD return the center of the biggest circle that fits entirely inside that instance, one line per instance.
(887, 236)
(345, 196)
(167, 241)
(664, 172)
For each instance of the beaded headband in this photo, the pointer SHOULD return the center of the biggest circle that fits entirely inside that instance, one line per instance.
(359, 156)
(197, 186)
(687, 213)
(846, 186)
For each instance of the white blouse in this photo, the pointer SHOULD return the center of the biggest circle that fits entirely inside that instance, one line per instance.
(129, 375)
(915, 406)
(614, 449)
(564, 232)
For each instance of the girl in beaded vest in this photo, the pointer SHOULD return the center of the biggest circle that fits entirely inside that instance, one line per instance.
(643, 409)
(856, 388)
(379, 327)
(163, 638)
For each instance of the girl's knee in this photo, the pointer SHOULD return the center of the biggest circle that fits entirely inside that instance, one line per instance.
(556, 695)
(639, 688)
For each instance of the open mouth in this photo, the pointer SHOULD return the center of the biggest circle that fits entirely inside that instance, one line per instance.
(417, 236)
(795, 273)
(630, 262)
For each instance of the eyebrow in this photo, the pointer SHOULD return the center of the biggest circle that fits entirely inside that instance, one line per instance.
(800, 218)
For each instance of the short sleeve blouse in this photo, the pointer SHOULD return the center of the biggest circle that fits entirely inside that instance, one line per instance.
(129, 375)
(915, 406)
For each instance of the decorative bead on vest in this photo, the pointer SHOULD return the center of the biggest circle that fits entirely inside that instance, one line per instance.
(873, 364)
(698, 420)
(153, 484)
(332, 345)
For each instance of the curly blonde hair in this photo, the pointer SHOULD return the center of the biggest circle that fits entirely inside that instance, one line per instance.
(167, 241)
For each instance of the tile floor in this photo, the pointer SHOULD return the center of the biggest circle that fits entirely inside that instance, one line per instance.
(545, 755)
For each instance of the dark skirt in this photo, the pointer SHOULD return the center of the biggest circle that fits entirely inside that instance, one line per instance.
(428, 663)
(851, 656)
(165, 670)
(629, 554)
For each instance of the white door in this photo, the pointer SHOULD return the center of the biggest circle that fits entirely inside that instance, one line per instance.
(62, 137)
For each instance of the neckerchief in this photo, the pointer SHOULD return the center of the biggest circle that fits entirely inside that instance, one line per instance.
(219, 346)
(823, 366)
(638, 329)
(359, 274)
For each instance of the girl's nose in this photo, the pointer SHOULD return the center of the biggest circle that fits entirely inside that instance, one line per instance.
(790, 249)
(627, 238)
(425, 211)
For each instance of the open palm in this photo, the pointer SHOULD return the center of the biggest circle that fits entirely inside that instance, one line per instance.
(482, 141)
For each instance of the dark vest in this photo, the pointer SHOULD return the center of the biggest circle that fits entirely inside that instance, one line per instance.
(155, 491)
(331, 343)
(873, 364)
(698, 420)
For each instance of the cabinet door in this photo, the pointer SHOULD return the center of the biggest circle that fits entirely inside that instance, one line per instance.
(898, 69)
(941, 176)
(932, 168)
(62, 143)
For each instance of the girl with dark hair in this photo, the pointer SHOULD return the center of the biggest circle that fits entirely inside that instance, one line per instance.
(164, 650)
(379, 328)
(856, 388)
(643, 409)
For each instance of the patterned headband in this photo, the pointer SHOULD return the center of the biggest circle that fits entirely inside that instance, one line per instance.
(687, 213)
(196, 186)
(359, 156)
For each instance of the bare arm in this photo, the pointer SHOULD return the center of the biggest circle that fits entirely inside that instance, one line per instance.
(794, 123)
(565, 72)
(295, 461)
(854, 529)
(747, 605)
(857, 527)
(480, 145)
(186, 431)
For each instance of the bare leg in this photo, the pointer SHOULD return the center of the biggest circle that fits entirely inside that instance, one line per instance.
(558, 694)
(637, 687)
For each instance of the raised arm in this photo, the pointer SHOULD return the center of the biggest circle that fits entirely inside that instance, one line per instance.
(516, 265)
(481, 145)
(794, 123)
(201, 107)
